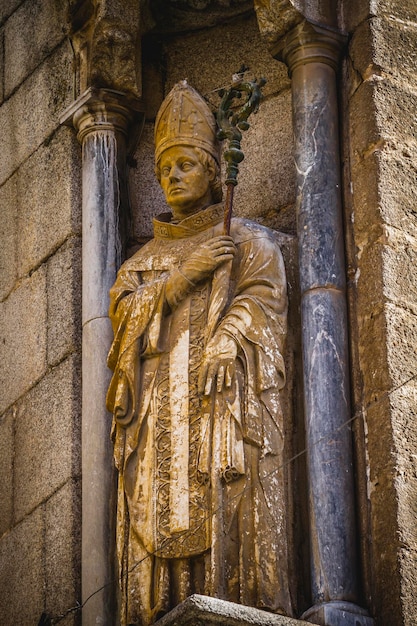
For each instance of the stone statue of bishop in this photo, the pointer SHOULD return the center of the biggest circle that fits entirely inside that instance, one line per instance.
(199, 323)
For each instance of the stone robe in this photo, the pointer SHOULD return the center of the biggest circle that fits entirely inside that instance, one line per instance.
(201, 505)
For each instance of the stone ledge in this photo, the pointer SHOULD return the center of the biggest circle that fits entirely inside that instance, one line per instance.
(200, 610)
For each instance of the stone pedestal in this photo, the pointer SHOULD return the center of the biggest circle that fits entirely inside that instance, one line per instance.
(200, 610)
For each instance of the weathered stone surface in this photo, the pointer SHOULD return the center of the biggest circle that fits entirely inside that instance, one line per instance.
(1, 65)
(8, 236)
(229, 45)
(64, 301)
(382, 502)
(384, 190)
(398, 9)
(7, 7)
(371, 121)
(404, 417)
(354, 12)
(381, 254)
(63, 550)
(391, 444)
(401, 342)
(387, 347)
(385, 45)
(49, 415)
(23, 50)
(406, 440)
(23, 337)
(47, 212)
(199, 609)
(31, 114)
(6, 470)
(22, 576)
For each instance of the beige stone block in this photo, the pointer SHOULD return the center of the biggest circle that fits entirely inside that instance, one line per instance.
(387, 45)
(391, 445)
(384, 190)
(387, 340)
(63, 550)
(23, 51)
(385, 600)
(49, 414)
(22, 572)
(209, 58)
(382, 116)
(64, 301)
(386, 269)
(408, 561)
(8, 236)
(399, 9)
(6, 470)
(404, 419)
(354, 12)
(49, 199)
(401, 344)
(31, 114)
(23, 337)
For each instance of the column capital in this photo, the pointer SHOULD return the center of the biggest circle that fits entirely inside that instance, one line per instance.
(102, 109)
(310, 43)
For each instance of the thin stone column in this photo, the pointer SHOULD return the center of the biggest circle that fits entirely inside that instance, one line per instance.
(101, 118)
(312, 54)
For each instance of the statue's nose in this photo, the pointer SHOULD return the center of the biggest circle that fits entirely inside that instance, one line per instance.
(174, 175)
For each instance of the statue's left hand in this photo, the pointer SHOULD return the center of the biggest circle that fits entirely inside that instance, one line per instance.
(218, 364)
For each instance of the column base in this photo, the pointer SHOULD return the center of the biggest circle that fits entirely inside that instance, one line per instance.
(338, 613)
(205, 611)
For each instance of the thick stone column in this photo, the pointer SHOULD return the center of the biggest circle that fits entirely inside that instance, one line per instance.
(101, 118)
(312, 54)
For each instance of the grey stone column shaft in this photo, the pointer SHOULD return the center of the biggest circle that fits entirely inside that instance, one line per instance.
(312, 55)
(101, 118)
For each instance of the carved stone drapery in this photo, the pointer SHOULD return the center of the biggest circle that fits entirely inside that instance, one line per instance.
(102, 118)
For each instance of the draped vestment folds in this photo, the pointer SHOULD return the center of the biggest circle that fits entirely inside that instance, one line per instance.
(201, 505)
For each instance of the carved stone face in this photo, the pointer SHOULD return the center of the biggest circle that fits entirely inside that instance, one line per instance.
(185, 181)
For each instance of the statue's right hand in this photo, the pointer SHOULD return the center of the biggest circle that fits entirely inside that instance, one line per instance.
(207, 257)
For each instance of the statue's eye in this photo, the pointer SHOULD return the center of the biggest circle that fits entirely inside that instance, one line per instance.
(165, 171)
(186, 166)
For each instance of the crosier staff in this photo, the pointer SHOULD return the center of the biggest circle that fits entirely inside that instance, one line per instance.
(230, 126)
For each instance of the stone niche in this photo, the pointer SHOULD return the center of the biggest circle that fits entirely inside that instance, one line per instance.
(207, 53)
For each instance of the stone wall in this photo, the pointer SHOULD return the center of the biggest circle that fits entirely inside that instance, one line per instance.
(380, 101)
(40, 282)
